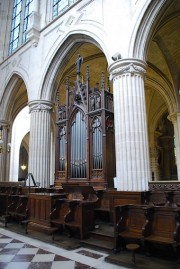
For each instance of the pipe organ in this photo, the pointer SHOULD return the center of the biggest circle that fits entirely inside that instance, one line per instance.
(85, 135)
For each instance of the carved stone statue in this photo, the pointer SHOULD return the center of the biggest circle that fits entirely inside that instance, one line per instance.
(78, 63)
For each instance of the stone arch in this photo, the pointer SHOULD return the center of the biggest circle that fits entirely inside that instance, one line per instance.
(14, 98)
(145, 29)
(63, 54)
(157, 17)
(164, 90)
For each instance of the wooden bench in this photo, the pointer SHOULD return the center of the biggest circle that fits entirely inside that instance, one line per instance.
(132, 223)
(49, 230)
(176, 198)
(75, 214)
(83, 219)
(22, 208)
(161, 198)
(103, 208)
(165, 228)
(63, 212)
(17, 208)
(6, 195)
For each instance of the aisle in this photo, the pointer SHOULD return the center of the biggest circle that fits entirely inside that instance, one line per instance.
(21, 252)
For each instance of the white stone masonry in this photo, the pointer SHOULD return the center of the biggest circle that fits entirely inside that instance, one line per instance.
(132, 150)
(40, 141)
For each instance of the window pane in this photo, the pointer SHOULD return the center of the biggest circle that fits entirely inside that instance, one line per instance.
(14, 45)
(15, 26)
(16, 2)
(16, 32)
(17, 20)
(28, 10)
(61, 5)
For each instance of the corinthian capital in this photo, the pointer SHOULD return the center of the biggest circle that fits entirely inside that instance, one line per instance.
(174, 116)
(40, 105)
(128, 66)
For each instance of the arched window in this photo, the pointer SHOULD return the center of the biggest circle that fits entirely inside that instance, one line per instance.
(60, 6)
(21, 12)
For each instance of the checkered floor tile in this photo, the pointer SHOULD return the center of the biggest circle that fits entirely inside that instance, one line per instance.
(19, 254)
(16, 254)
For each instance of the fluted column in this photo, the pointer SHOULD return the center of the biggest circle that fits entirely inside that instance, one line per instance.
(4, 155)
(40, 141)
(132, 149)
(175, 119)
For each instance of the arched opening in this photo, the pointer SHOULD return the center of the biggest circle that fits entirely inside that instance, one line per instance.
(20, 145)
(161, 90)
(23, 158)
(166, 149)
(84, 119)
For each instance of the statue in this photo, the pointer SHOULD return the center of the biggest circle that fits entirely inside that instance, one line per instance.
(78, 63)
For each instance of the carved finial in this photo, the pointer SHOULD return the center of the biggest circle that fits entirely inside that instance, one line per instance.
(87, 73)
(57, 97)
(97, 85)
(102, 80)
(108, 85)
(67, 83)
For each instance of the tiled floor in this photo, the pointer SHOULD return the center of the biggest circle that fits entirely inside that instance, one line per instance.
(21, 252)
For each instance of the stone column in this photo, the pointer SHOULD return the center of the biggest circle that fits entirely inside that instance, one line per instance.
(40, 141)
(175, 119)
(166, 142)
(155, 156)
(131, 137)
(4, 154)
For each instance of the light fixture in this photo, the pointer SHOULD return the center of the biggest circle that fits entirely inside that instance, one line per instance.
(8, 147)
(23, 167)
(1, 141)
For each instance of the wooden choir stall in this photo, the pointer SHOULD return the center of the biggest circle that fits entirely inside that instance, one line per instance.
(84, 173)
(85, 158)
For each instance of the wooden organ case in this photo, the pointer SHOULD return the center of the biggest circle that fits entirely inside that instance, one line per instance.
(85, 153)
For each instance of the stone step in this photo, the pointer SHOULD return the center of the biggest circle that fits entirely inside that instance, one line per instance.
(98, 243)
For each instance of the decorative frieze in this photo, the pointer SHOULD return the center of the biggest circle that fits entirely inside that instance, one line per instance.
(169, 185)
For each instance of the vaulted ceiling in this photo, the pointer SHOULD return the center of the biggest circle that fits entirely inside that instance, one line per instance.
(164, 64)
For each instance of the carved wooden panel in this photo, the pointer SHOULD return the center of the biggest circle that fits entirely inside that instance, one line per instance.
(85, 150)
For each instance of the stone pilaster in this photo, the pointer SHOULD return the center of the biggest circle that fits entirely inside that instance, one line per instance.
(166, 142)
(4, 155)
(33, 31)
(132, 149)
(175, 119)
(40, 141)
(35, 6)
